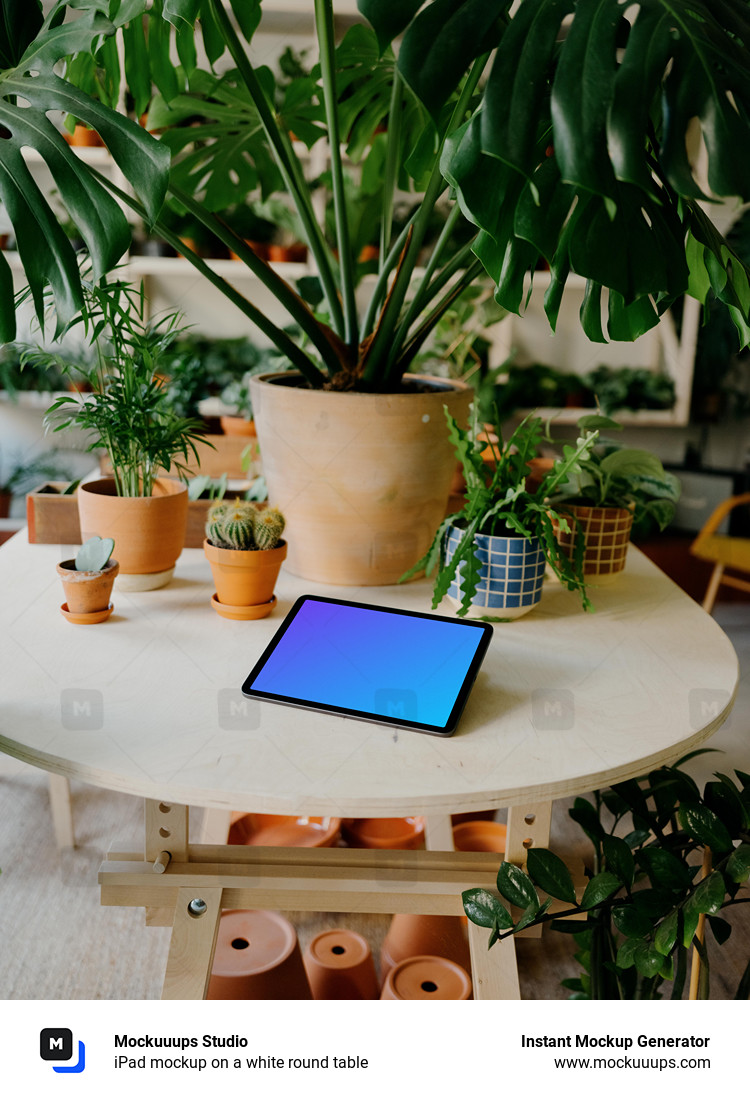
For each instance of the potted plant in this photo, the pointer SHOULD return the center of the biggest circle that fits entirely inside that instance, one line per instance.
(592, 177)
(609, 491)
(492, 554)
(19, 476)
(127, 414)
(665, 860)
(87, 580)
(245, 550)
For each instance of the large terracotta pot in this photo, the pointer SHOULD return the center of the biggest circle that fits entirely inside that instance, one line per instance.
(257, 956)
(340, 967)
(362, 478)
(426, 978)
(149, 532)
(411, 934)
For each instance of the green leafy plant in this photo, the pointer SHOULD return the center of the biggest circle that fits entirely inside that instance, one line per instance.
(484, 108)
(94, 554)
(513, 387)
(627, 477)
(498, 502)
(631, 388)
(127, 412)
(650, 887)
(460, 342)
(15, 380)
(244, 525)
(213, 488)
(17, 476)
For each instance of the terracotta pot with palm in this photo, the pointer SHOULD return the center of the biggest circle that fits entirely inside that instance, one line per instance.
(126, 411)
(245, 551)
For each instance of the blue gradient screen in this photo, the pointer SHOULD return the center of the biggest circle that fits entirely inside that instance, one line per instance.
(378, 662)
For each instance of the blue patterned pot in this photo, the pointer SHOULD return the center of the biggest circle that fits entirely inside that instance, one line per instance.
(511, 575)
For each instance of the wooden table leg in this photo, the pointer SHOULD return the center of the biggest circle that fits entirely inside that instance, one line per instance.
(191, 948)
(167, 828)
(438, 833)
(494, 973)
(215, 826)
(528, 827)
(62, 811)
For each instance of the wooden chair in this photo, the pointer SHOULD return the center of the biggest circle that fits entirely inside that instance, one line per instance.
(725, 551)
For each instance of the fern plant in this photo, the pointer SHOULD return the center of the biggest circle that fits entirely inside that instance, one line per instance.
(498, 502)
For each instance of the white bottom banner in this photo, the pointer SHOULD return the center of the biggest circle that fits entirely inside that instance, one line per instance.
(290, 1049)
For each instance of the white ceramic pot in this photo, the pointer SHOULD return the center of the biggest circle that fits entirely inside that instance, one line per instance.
(511, 575)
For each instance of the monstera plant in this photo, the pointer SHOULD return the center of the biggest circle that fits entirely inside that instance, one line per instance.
(478, 105)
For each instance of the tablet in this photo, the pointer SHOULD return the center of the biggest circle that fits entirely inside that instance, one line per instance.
(380, 664)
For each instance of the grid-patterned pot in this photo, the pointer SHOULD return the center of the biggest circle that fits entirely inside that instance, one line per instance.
(607, 533)
(511, 575)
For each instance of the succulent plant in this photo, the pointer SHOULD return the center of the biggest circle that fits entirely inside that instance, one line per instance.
(94, 555)
(244, 525)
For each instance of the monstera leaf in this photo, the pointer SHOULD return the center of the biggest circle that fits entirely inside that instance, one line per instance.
(592, 173)
(28, 90)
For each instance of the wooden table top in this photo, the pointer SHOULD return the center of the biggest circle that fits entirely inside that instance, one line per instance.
(149, 702)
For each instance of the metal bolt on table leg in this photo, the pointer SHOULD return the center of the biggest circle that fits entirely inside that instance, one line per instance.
(197, 907)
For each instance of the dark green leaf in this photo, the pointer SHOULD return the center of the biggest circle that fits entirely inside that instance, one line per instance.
(585, 815)
(247, 13)
(20, 21)
(664, 869)
(690, 917)
(550, 873)
(726, 803)
(738, 864)
(648, 961)
(626, 953)
(442, 42)
(631, 921)
(637, 837)
(744, 778)
(515, 886)
(580, 106)
(709, 894)
(388, 18)
(721, 929)
(599, 889)
(619, 858)
(532, 914)
(702, 824)
(667, 932)
(516, 105)
(484, 909)
(136, 65)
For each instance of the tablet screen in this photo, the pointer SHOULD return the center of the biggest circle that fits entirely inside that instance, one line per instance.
(382, 664)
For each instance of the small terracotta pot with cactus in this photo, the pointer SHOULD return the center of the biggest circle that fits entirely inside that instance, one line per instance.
(245, 550)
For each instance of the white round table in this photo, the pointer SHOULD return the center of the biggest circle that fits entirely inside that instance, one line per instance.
(149, 703)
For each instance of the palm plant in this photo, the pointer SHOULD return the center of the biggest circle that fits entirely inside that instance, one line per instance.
(485, 109)
(127, 412)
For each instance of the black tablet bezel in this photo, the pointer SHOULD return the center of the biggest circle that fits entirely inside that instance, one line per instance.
(441, 731)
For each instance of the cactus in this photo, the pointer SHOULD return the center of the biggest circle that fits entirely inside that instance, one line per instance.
(268, 528)
(243, 525)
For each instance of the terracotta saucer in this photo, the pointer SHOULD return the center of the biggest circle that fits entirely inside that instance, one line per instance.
(90, 617)
(252, 611)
